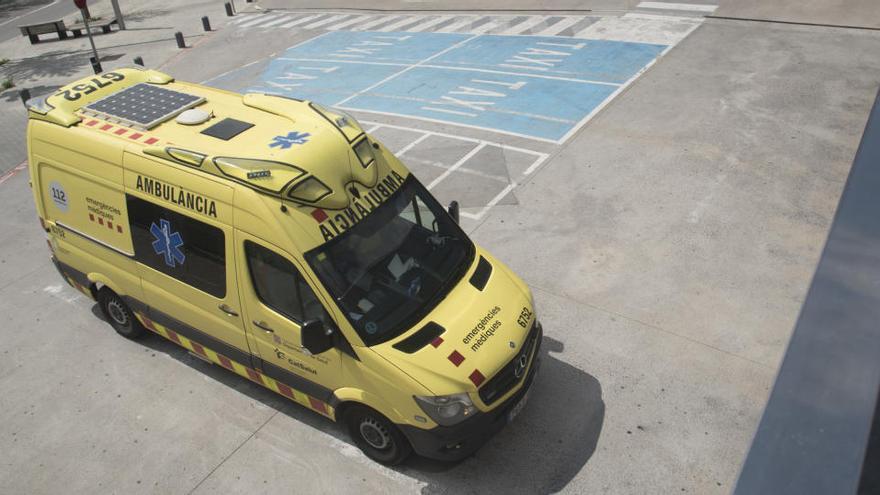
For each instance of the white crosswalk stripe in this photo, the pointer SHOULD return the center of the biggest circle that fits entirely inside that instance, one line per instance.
(281, 19)
(649, 28)
(560, 26)
(455, 26)
(301, 20)
(380, 20)
(404, 22)
(322, 22)
(349, 22)
(259, 19)
(527, 24)
(485, 28)
(428, 24)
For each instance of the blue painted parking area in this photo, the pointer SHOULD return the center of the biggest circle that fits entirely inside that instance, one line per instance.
(540, 87)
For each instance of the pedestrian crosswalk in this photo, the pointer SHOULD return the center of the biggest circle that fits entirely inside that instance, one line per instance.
(544, 25)
(635, 26)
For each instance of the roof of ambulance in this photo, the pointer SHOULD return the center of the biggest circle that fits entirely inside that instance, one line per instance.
(296, 134)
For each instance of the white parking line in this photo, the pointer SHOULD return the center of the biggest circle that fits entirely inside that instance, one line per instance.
(677, 6)
(455, 166)
(407, 69)
(540, 158)
(412, 144)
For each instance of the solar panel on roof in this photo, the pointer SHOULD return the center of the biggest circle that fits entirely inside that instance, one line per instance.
(142, 105)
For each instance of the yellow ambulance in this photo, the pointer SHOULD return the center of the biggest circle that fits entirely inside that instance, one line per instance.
(275, 238)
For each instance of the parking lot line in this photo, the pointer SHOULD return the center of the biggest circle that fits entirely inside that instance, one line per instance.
(407, 69)
(455, 166)
(412, 144)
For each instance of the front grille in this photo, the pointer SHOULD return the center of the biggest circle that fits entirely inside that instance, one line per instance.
(506, 379)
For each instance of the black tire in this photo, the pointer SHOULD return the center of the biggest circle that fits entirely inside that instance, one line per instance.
(119, 315)
(378, 438)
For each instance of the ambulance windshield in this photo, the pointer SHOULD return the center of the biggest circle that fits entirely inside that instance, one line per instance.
(393, 267)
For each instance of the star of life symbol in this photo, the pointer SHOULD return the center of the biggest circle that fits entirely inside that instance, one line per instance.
(167, 243)
(292, 137)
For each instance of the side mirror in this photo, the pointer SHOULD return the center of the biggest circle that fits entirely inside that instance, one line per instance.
(453, 211)
(315, 337)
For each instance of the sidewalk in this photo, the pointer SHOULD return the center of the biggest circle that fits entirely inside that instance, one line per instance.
(44, 67)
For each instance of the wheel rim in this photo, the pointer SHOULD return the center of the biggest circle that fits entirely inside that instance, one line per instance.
(375, 434)
(117, 312)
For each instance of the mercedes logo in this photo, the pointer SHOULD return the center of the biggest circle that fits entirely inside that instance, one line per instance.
(520, 365)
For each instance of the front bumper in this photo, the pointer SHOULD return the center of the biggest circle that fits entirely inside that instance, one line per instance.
(453, 443)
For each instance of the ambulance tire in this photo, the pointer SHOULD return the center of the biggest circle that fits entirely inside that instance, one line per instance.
(119, 315)
(378, 438)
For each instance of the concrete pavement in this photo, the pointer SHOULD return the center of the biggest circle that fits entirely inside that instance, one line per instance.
(669, 243)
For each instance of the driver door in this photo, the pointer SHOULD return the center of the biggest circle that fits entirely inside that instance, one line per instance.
(277, 302)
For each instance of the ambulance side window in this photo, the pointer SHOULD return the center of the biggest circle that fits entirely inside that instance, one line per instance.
(280, 286)
(178, 246)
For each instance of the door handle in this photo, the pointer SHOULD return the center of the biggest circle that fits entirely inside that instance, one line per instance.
(226, 309)
(263, 326)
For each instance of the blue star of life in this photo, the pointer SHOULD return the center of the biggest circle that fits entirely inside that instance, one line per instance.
(167, 243)
(292, 137)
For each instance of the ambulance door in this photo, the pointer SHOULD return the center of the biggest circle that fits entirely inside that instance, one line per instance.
(186, 262)
(277, 301)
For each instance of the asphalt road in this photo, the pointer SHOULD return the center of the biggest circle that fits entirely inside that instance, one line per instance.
(34, 13)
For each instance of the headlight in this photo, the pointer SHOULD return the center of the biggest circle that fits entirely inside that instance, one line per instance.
(447, 410)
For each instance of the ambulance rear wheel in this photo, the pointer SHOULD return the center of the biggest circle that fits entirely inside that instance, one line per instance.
(119, 315)
(377, 437)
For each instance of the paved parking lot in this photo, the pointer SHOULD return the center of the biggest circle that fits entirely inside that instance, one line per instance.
(498, 73)
(669, 232)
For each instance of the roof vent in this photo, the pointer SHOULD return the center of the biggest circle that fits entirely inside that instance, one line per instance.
(193, 116)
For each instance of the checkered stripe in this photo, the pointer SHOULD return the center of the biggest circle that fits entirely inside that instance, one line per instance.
(78, 286)
(131, 134)
(237, 368)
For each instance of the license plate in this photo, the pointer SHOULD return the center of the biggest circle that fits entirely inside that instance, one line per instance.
(514, 412)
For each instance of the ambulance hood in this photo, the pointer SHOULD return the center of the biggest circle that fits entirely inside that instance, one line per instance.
(482, 330)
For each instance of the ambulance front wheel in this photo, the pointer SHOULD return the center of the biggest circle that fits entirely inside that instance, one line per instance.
(377, 437)
(119, 315)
